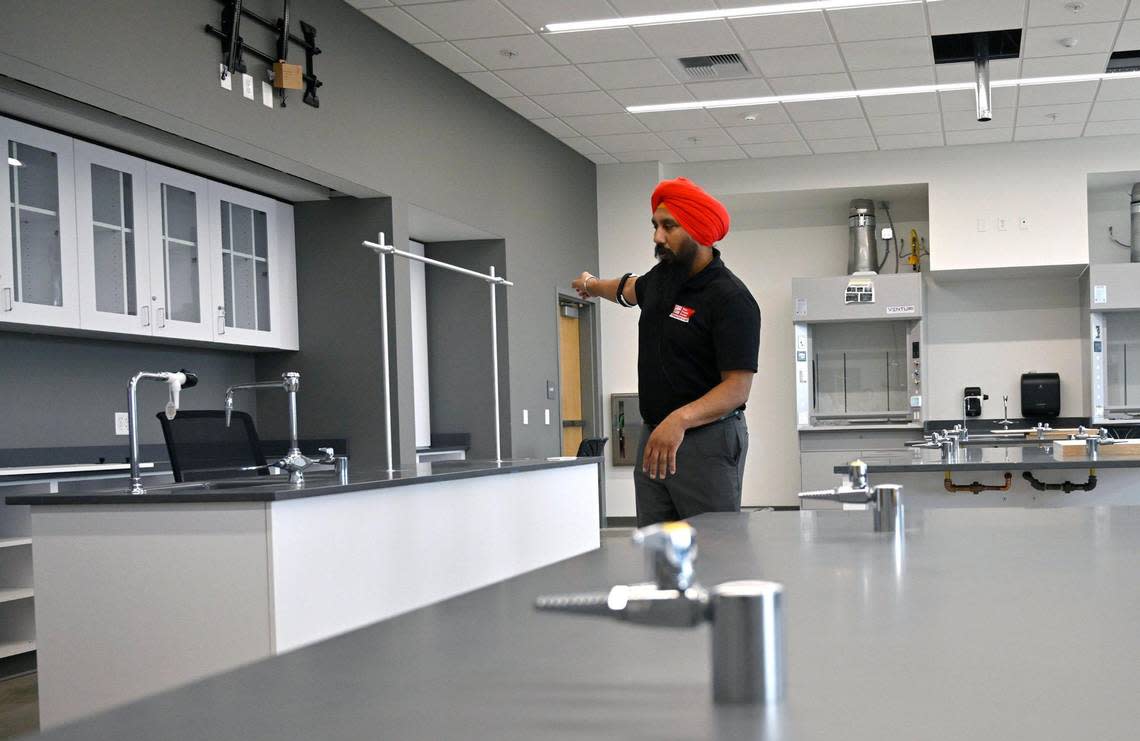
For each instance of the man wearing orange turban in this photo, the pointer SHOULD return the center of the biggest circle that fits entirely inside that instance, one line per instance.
(698, 343)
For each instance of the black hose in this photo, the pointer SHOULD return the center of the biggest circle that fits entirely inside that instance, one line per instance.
(888, 252)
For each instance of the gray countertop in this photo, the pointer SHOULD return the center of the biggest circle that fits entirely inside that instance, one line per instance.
(1011, 624)
(982, 458)
(317, 483)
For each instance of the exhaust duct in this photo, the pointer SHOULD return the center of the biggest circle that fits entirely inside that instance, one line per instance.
(1136, 222)
(863, 256)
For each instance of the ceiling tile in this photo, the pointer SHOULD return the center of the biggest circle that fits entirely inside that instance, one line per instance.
(967, 120)
(703, 138)
(1115, 110)
(537, 13)
(909, 141)
(614, 143)
(1112, 128)
(548, 80)
(651, 155)
(490, 84)
(776, 149)
(652, 95)
(1000, 69)
(1052, 115)
(913, 51)
(964, 16)
(824, 110)
(1075, 92)
(447, 55)
(837, 129)
(600, 46)
(629, 8)
(1133, 9)
(847, 144)
(1129, 38)
(602, 159)
(1031, 133)
(1058, 12)
(1046, 41)
(582, 145)
(965, 100)
(686, 39)
(579, 104)
(608, 123)
(886, 22)
(677, 120)
(468, 19)
(526, 107)
(511, 52)
(765, 134)
(554, 126)
(1072, 64)
(915, 123)
(901, 105)
(799, 60)
(764, 114)
(982, 136)
(811, 84)
(1119, 89)
(727, 89)
(778, 31)
(402, 24)
(897, 77)
(634, 73)
(368, 3)
(709, 154)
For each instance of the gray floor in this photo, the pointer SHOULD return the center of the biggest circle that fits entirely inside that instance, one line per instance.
(19, 712)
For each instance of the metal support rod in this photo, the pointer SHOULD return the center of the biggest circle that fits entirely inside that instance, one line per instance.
(384, 343)
(390, 250)
(495, 365)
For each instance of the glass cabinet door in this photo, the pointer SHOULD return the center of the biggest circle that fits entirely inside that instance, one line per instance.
(38, 261)
(112, 224)
(178, 253)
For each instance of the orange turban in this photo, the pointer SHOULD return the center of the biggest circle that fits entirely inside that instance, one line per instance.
(702, 216)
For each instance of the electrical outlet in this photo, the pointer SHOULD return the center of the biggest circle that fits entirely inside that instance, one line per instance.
(122, 427)
(266, 94)
(526, 417)
(1001, 224)
(547, 416)
(247, 85)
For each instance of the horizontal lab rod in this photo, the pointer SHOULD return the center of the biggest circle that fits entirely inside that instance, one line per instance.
(390, 250)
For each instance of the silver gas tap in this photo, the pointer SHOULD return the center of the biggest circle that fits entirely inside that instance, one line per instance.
(746, 616)
(885, 499)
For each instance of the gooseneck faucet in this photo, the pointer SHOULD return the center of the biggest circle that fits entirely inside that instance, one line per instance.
(175, 381)
(746, 616)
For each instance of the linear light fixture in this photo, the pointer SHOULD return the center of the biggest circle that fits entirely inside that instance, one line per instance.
(694, 105)
(661, 19)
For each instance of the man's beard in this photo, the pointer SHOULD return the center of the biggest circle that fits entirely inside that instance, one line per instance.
(674, 271)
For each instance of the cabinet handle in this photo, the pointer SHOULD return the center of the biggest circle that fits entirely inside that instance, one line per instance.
(146, 316)
(160, 315)
(8, 299)
(221, 320)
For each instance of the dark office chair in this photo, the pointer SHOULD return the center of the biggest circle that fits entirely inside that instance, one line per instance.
(201, 447)
(592, 447)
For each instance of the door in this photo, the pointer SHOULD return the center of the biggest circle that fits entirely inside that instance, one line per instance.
(38, 282)
(570, 372)
(178, 248)
(111, 213)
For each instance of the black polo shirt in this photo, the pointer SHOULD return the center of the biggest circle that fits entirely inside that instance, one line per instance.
(711, 324)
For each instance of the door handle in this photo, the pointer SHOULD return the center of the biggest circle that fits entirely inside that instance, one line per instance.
(221, 319)
(160, 317)
(146, 316)
(7, 298)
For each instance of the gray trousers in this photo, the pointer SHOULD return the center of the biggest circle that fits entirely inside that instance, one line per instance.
(710, 472)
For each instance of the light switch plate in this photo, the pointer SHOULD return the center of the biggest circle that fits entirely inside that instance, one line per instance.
(550, 389)
(122, 427)
(247, 85)
(526, 417)
(266, 94)
(547, 415)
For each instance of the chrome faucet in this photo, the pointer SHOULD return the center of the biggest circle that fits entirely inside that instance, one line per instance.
(746, 616)
(885, 499)
(295, 462)
(175, 381)
(1005, 421)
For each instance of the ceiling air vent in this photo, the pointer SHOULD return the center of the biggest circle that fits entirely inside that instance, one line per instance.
(1123, 61)
(713, 67)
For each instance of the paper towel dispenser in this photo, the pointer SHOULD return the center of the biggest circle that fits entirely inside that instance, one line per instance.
(1040, 395)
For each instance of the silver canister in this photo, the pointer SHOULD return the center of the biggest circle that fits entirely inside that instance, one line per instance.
(863, 256)
(748, 642)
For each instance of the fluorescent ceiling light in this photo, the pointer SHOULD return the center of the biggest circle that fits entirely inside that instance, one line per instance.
(13, 162)
(660, 19)
(693, 105)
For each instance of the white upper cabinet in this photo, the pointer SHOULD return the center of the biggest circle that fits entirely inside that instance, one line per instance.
(38, 281)
(114, 244)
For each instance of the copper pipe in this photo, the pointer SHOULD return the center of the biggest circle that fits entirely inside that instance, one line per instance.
(977, 488)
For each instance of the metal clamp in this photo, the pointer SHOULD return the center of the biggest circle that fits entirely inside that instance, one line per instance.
(747, 617)
(886, 500)
(221, 319)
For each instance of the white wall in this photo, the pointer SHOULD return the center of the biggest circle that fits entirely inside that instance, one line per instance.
(981, 332)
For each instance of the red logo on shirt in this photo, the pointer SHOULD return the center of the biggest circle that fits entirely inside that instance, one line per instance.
(682, 313)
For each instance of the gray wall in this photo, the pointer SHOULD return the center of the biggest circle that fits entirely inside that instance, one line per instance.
(459, 345)
(64, 391)
(392, 121)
